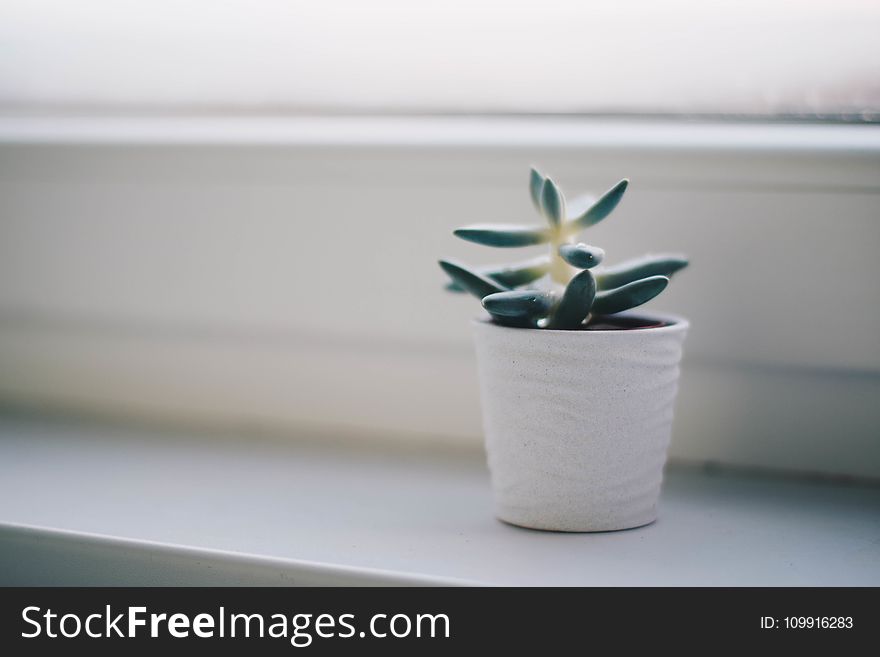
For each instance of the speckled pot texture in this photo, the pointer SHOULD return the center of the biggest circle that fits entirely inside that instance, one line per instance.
(578, 423)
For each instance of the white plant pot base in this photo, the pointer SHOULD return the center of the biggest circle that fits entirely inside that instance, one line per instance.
(577, 423)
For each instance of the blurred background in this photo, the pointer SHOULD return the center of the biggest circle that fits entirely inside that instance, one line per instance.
(228, 214)
(810, 59)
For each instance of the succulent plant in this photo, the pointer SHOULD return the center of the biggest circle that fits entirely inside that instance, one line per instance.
(566, 289)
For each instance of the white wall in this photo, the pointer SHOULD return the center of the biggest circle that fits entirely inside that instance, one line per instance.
(282, 273)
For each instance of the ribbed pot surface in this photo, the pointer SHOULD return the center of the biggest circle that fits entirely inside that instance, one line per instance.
(577, 423)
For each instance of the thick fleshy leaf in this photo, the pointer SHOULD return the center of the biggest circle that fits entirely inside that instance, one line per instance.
(600, 209)
(512, 275)
(629, 296)
(531, 304)
(515, 322)
(661, 264)
(521, 274)
(552, 203)
(582, 256)
(536, 184)
(471, 281)
(504, 235)
(576, 302)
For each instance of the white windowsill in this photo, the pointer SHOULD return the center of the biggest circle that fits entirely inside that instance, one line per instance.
(452, 131)
(85, 504)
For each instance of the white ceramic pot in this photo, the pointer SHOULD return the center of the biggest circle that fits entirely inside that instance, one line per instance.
(578, 423)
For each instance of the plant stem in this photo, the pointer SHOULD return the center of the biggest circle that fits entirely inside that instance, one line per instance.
(560, 271)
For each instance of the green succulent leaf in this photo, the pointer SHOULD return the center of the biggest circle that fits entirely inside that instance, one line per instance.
(515, 322)
(552, 202)
(520, 304)
(629, 296)
(511, 275)
(599, 210)
(504, 235)
(611, 290)
(536, 184)
(526, 272)
(576, 302)
(581, 255)
(471, 281)
(662, 264)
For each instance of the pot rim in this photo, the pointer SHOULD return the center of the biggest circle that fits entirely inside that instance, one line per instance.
(672, 324)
